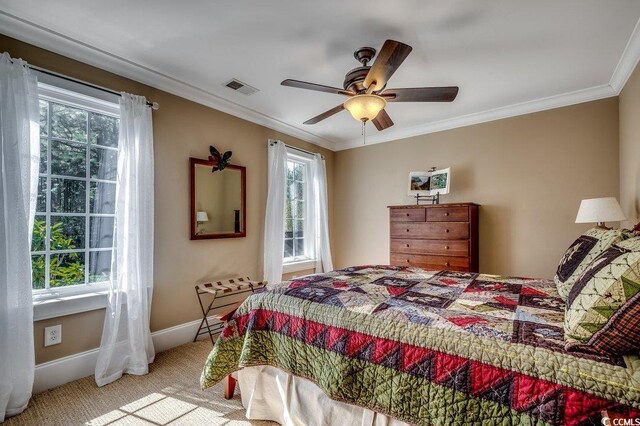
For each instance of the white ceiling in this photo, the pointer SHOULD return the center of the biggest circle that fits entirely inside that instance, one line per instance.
(509, 57)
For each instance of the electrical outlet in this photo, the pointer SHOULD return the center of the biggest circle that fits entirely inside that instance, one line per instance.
(53, 335)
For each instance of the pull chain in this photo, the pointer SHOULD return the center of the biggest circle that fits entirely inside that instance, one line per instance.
(364, 134)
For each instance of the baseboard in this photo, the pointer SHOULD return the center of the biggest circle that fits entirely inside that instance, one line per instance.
(54, 373)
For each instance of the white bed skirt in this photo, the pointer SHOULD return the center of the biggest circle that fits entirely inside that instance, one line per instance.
(272, 394)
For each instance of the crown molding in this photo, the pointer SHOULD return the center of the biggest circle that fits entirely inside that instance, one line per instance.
(572, 98)
(627, 62)
(45, 38)
(75, 49)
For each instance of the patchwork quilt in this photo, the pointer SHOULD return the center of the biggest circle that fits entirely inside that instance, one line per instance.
(429, 348)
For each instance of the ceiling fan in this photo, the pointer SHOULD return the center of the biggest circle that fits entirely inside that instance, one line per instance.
(365, 87)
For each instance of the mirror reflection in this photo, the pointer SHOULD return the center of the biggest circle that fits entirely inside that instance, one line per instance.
(217, 206)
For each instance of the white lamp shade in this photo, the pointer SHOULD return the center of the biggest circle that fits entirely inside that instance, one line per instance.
(202, 217)
(595, 210)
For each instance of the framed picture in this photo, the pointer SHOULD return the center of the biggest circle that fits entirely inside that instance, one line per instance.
(429, 183)
(440, 181)
(419, 183)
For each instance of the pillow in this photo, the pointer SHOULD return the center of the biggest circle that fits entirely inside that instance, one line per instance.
(580, 255)
(603, 307)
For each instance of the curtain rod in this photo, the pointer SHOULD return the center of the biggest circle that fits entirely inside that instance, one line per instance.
(154, 105)
(295, 148)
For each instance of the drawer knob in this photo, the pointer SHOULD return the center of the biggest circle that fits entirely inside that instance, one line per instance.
(446, 264)
(446, 230)
(446, 247)
(446, 213)
(407, 245)
(407, 214)
(408, 230)
(408, 261)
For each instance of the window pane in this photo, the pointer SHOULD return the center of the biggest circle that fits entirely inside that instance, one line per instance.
(104, 163)
(291, 190)
(103, 130)
(298, 172)
(41, 205)
(288, 210)
(43, 155)
(290, 170)
(67, 196)
(67, 232)
(288, 228)
(37, 271)
(300, 209)
(103, 198)
(68, 123)
(299, 228)
(39, 233)
(68, 159)
(101, 232)
(299, 188)
(66, 269)
(299, 246)
(44, 107)
(99, 266)
(288, 248)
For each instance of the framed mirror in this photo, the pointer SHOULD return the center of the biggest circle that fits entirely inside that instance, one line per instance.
(218, 201)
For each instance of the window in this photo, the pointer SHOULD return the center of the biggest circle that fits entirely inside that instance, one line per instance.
(75, 212)
(299, 227)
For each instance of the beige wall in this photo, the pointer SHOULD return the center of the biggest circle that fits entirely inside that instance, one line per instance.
(182, 129)
(529, 173)
(630, 148)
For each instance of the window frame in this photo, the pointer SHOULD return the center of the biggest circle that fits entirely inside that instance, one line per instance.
(74, 294)
(308, 261)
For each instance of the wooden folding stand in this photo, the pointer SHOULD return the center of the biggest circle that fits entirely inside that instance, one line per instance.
(219, 290)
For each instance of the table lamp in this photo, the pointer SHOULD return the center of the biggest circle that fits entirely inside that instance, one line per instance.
(201, 217)
(600, 210)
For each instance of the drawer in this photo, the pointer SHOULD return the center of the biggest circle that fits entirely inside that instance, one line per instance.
(430, 231)
(430, 262)
(448, 214)
(408, 215)
(438, 247)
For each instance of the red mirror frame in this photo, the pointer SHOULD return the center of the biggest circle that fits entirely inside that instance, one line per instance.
(243, 183)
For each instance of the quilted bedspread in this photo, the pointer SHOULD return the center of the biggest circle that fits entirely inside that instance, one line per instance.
(429, 347)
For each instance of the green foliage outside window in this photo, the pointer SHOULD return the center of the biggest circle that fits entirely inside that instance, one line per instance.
(64, 269)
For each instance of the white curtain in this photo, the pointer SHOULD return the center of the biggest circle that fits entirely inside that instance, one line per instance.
(19, 160)
(274, 218)
(323, 248)
(126, 345)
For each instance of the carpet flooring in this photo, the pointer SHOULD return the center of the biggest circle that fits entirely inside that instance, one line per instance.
(169, 395)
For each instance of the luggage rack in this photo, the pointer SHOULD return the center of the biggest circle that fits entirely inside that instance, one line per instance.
(219, 290)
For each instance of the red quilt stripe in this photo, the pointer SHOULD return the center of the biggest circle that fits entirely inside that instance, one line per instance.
(484, 377)
(412, 355)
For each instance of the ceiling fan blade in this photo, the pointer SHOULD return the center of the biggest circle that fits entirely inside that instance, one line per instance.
(382, 120)
(325, 114)
(421, 94)
(392, 54)
(317, 87)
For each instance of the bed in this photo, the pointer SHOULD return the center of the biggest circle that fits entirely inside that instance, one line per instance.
(427, 347)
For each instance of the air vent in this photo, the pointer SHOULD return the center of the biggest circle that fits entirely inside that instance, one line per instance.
(240, 87)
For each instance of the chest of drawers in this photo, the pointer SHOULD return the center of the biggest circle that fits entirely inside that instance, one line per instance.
(441, 236)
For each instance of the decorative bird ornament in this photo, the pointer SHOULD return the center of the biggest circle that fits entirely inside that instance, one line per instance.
(221, 160)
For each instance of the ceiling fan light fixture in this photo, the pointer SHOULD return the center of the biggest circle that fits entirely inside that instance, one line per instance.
(365, 107)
